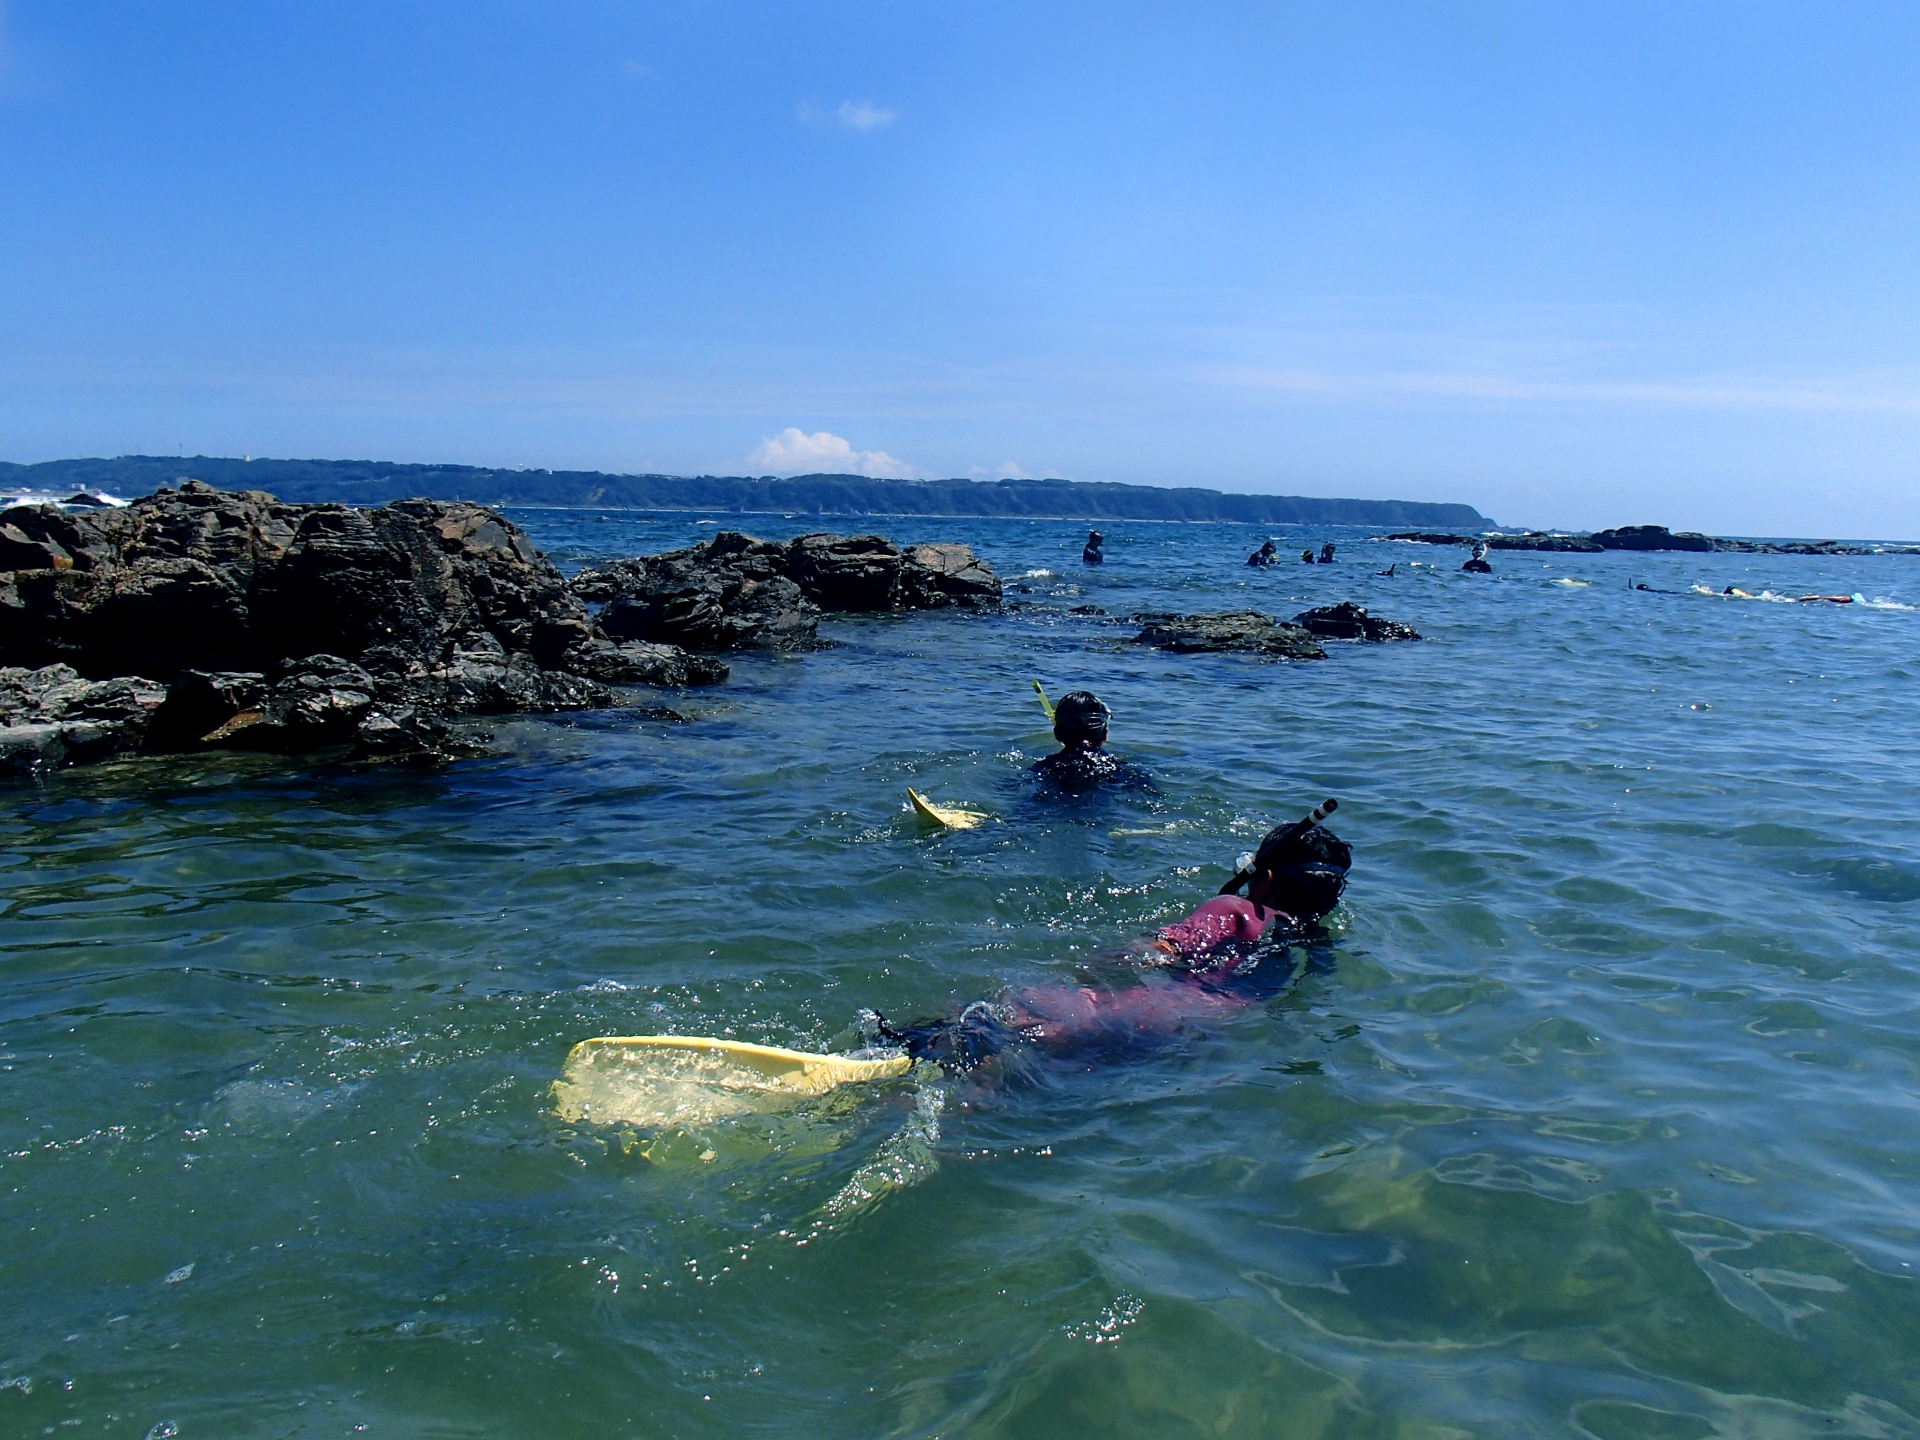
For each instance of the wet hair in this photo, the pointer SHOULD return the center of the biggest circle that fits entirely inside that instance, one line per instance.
(1311, 867)
(1080, 716)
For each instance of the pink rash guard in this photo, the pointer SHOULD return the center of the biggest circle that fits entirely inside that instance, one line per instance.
(1223, 918)
(1065, 1016)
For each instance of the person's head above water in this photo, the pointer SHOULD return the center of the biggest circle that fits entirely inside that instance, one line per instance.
(1300, 872)
(1080, 720)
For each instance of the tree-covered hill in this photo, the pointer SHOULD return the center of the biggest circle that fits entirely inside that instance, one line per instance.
(366, 482)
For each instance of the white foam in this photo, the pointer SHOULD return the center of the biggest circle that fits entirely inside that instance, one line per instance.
(59, 502)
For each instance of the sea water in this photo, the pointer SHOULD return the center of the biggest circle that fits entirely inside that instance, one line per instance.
(1598, 1118)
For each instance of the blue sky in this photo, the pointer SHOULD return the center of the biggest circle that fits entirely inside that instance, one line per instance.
(1578, 265)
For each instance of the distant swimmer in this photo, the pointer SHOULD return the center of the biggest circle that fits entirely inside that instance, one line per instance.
(1306, 557)
(1478, 564)
(1829, 599)
(1082, 763)
(1326, 553)
(1091, 555)
(1267, 554)
(1739, 594)
(1388, 572)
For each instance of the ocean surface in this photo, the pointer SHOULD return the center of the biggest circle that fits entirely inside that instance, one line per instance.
(1598, 1117)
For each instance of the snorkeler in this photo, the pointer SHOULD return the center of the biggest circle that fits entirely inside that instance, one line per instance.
(1478, 564)
(1387, 574)
(1326, 553)
(1229, 953)
(1082, 763)
(1267, 554)
(1092, 555)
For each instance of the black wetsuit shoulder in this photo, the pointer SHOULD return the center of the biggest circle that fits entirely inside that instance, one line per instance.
(1080, 771)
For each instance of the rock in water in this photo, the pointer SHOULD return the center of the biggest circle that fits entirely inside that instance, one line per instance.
(293, 627)
(53, 716)
(1651, 537)
(1348, 621)
(1242, 630)
(735, 592)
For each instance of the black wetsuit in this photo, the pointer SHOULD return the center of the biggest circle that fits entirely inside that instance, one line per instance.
(1080, 771)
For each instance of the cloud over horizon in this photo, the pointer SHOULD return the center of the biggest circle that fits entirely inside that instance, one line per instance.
(794, 452)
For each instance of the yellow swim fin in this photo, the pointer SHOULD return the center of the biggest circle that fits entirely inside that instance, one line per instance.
(1045, 704)
(951, 816)
(683, 1080)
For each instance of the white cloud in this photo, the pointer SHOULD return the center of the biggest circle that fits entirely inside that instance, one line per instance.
(634, 70)
(794, 452)
(1005, 470)
(850, 115)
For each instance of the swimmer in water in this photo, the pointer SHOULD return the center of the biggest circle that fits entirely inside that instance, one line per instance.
(1387, 574)
(1230, 952)
(1092, 554)
(1267, 554)
(1082, 763)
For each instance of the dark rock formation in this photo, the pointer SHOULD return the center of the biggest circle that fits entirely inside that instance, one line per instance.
(1348, 621)
(1528, 540)
(1648, 538)
(291, 627)
(1651, 537)
(52, 716)
(735, 592)
(1243, 630)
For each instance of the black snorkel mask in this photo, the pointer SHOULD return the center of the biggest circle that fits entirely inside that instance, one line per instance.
(1081, 718)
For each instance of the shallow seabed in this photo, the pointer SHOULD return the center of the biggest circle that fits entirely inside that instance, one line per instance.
(1598, 1120)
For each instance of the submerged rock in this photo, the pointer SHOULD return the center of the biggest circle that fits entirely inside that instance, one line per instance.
(296, 627)
(1348, 621)
(736, 592)
(1241, 630)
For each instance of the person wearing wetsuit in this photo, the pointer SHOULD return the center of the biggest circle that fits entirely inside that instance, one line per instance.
(1267, 554)
(1082, 763)
(1219, 959)
(1326, 553)
(1092, 555)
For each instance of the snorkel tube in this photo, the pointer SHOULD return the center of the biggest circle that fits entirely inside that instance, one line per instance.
(1244, 868)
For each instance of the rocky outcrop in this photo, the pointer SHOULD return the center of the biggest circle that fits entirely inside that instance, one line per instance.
(1348, 621)
(735, 592)
(1527, 540)
(1242, 630)
(1652, 537)
(53, 716)
(295, 627)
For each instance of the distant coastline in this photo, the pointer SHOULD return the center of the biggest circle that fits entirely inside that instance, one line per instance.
(373, 483)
